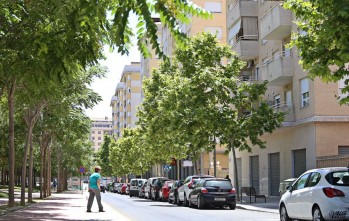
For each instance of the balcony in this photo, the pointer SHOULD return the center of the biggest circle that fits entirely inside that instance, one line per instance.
(246, 47)
(240, 8)
(276, 24)
(286, 108)
(279, 70)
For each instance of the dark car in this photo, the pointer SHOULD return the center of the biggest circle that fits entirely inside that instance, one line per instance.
(214, 192)
(158, 183)
(173, 194)
(102, 188)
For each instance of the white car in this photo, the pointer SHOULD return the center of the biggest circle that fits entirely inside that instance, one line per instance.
(318, 194)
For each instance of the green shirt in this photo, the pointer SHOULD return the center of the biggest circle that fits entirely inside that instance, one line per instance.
(93, 180)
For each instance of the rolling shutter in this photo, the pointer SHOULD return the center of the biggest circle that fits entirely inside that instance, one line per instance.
(254, 172)
(299, 162)
(274, 174)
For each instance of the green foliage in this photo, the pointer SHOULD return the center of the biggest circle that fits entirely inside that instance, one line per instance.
(324, 49)
(197, 96)
(129, 155)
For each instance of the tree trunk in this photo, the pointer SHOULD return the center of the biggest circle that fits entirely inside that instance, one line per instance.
(30, 174)
(237, 188)
(58, 171)
(11, 152)
(24, 167)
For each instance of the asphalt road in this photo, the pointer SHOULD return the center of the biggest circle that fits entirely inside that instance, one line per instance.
(137, 209)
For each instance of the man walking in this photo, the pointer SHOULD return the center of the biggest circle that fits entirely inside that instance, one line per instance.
(94, 188)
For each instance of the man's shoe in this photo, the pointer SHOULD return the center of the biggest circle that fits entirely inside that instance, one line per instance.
(101, 210)
(88, 211)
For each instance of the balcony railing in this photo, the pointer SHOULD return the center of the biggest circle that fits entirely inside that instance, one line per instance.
(240, 8)
(332, 161)
(276, 24)
(246, 47)
(286, 108)
(279, 70)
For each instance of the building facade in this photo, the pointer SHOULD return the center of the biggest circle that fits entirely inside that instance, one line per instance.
(126, 99)
(314, 130)
(99, 127)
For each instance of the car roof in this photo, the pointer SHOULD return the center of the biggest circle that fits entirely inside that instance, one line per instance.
(328, 169)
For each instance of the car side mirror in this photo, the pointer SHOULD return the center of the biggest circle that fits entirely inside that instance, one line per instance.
(192, 187)
(289, 188)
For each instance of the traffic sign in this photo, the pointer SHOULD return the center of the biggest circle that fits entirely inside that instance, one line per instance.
(82, 170)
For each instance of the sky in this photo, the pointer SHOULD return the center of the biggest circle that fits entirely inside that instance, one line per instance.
(106, 87)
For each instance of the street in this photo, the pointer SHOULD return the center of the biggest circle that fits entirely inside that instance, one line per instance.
(137, 209)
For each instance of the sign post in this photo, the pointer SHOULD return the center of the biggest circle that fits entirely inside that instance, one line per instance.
(82, 171)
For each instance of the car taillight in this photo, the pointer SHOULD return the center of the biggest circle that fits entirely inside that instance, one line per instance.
(331, 192)
(232, 191)
(204, 190)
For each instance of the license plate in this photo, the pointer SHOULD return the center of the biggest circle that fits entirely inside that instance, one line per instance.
(219, 199)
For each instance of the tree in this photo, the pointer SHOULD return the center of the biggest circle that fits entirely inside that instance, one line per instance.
(103, 155)
(199, 96)
(323, 41)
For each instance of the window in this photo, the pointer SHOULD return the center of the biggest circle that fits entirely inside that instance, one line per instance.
(277, 101)
(213, 7)
(99, 132)
(215, 31)
(341, 86)
(93, 132)
(304, 92)
(99, 138)
(300, 184)
(314, 179)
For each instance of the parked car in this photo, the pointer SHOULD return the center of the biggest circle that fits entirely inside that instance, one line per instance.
(284, 184)
(184, 190)
(118, 189)
(318, 194)
(212, 191)
(173, 194)
(149, 186)
(110, 187)
(123, 188)
(155, 190)
(135, 185)
(141, 193)
(165, 190)
(115, 188)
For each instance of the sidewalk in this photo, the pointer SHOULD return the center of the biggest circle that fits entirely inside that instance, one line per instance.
(271, 206)
(69, 205)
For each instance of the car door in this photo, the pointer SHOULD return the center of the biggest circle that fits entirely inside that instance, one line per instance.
(294, 201)
(182, 189)
(308, 196)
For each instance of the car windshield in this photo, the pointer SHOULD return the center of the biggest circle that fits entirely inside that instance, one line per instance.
(338, 178)
(219, 183)
(134, 182)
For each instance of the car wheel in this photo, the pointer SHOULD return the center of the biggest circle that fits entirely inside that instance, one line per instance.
(186, 203)
(232, 206)
(169, 200)
(283, 214)
(317, 215)
(200, 203)
(191, 205)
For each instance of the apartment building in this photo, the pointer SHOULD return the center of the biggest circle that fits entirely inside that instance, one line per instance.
(99, 127)
(216, 26)
(314, 130)
(126, 99)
